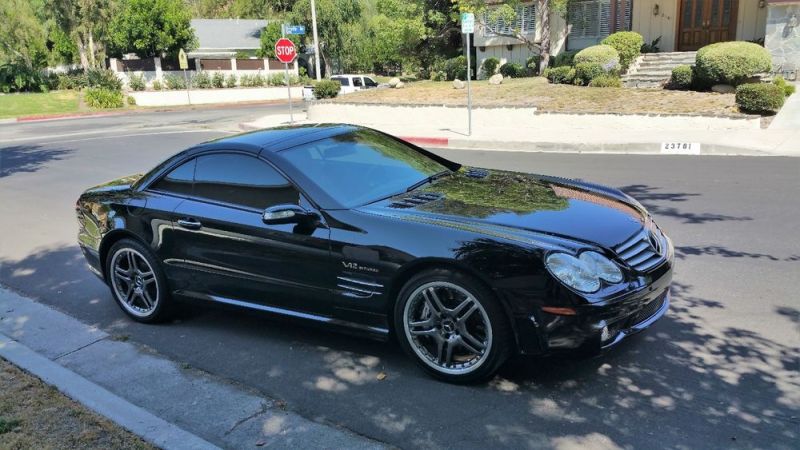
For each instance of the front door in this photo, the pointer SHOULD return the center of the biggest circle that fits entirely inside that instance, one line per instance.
(704, 22)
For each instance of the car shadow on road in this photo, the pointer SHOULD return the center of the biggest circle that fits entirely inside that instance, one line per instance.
(685, 383)
(27, 158)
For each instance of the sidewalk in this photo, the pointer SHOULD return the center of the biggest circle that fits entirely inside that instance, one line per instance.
(168, 405)
(782, 138)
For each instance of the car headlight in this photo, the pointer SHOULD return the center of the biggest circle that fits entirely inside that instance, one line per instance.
(585, 272)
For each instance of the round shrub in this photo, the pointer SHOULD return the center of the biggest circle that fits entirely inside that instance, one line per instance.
(759, 97)
(731, 62)
(788, 89)
(588, 71)
(131, 101)
(104, 98)
(628, 44)
(681, 77)
(564, 58)
(512, 70)
(490, 66)
(606, 80)
(456, 68)
(605, 55)
(326, 89)
(560, 75)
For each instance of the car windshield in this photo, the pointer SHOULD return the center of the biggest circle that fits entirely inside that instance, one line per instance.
(362, 167)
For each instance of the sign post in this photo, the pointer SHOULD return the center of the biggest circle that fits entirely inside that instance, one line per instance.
(183, 63)
(286, 52)
(468, 27)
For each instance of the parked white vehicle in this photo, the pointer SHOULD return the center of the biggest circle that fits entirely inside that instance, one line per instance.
(352, 83)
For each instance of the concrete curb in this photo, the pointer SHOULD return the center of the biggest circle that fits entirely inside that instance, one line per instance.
(175, 406)
(152, 429)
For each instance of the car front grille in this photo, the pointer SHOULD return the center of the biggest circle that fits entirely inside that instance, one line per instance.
(644, 250)
(647, 311)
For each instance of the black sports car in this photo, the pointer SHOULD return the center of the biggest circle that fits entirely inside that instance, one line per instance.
(352, 227)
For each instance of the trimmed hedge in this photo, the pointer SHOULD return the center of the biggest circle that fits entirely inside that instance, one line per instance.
(681, 77)
(560, 75)
(605, 55)
(512, 70)
(628, 44)
(731, 62)
(606, 80)
(490, 66)
(326, 89)
(788, 89)
(759, 97)
(585, 72)
(104, 98)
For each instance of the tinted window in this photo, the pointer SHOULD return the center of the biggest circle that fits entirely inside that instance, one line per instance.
(370, 82)
(342, 80)
(357, 82)
(241, 180)
(179, 180)
(361, 167)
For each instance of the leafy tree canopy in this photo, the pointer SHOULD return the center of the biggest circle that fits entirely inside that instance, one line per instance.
(152, 28)
(22, 35)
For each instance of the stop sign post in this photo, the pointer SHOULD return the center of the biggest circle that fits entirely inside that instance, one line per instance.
(286, 52)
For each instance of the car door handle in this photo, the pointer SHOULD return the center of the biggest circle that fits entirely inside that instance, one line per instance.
(190, 224)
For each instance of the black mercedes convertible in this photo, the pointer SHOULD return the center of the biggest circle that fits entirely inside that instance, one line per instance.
(354, 228)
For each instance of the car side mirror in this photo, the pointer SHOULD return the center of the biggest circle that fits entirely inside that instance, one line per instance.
(280, 214)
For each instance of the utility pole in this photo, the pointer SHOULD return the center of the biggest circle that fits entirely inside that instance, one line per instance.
(316, 40)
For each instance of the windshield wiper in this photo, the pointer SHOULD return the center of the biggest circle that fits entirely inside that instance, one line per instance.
(430, 179)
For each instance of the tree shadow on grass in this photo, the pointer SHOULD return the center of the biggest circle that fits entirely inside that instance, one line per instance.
(27, 158)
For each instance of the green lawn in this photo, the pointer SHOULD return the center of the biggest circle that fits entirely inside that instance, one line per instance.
(15, 105)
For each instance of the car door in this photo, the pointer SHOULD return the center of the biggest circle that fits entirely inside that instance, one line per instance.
(358, 83)
(236, 257)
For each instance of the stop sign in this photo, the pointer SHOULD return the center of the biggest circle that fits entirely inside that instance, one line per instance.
(285, 51)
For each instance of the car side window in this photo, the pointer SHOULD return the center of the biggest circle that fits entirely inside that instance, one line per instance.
(369, 82)
(179, 180)
(357, 82)
(241, 180)
(342, 80)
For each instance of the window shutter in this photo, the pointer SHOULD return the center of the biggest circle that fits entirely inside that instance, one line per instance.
(525, 21)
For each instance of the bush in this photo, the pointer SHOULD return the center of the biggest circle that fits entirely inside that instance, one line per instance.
(489, 66)
(681, 77)
(103, 98)
(759, 97)
(252, 80)
(788, 89)
(605, 55)
(277, 79)
(231, 80)
(532, 65)
(564, 58)
(605, 81)
(217, 80)
(652, 47)
(202, 80)
(512, 70)
(131, 100)
(157, 85)
(628, 44)
(72, 80)
(586, 72)
(731, 62)
(438, 75)
(103, 78)
(560, 75)
(136, 82)
(456, 68)
(174, 82)
(326, 89)
(17, 76)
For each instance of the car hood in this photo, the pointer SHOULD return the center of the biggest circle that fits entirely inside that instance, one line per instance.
(553, 206)
(119, 184)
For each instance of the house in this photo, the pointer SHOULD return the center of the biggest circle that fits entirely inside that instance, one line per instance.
(224, 38)
(681, 25)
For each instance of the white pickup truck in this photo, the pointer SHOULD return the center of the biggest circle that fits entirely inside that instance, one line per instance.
(352, 83)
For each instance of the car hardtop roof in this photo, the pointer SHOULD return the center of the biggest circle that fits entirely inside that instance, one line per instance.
(278, 138)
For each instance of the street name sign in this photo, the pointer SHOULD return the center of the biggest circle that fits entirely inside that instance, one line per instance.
(295, 29)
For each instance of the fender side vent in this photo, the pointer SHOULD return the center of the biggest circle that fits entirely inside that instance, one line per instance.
(416, 200)
(356, 288)
(477, 173)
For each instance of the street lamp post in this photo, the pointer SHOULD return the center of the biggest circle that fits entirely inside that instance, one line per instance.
(316, 40)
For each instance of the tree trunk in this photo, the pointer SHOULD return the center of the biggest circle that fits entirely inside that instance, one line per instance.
(82, 53)
(92, 58)
(544, 52)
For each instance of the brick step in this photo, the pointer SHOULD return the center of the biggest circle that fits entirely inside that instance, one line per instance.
(665, 63)
(670, 54)
(660, 72)
(643, 84)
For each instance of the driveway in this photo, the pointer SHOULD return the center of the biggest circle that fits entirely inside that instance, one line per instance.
(721, 370)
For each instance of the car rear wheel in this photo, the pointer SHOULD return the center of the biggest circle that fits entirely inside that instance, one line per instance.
(452, 326)
(136, 282)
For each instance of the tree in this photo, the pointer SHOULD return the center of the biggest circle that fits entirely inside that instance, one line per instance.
(270, 35)
(243, 9)
(22, 35)
(85, 22)
(152, 28)
(395, 32)
(334, 19)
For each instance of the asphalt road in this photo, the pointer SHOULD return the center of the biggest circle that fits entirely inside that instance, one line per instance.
(721, 370)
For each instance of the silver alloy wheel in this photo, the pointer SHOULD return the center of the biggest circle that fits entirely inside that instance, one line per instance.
(134, 282)
(447, 328)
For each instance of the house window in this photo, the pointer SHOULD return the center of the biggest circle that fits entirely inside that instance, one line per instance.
(524, 22)
(590, 20)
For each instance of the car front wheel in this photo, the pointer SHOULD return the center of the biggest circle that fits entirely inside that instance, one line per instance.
(453, 326)
(136, 282)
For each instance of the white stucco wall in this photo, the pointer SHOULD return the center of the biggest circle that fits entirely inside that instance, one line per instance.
(204, 96)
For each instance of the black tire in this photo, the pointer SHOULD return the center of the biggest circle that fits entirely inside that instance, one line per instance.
(136, 310)
(497, 337)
